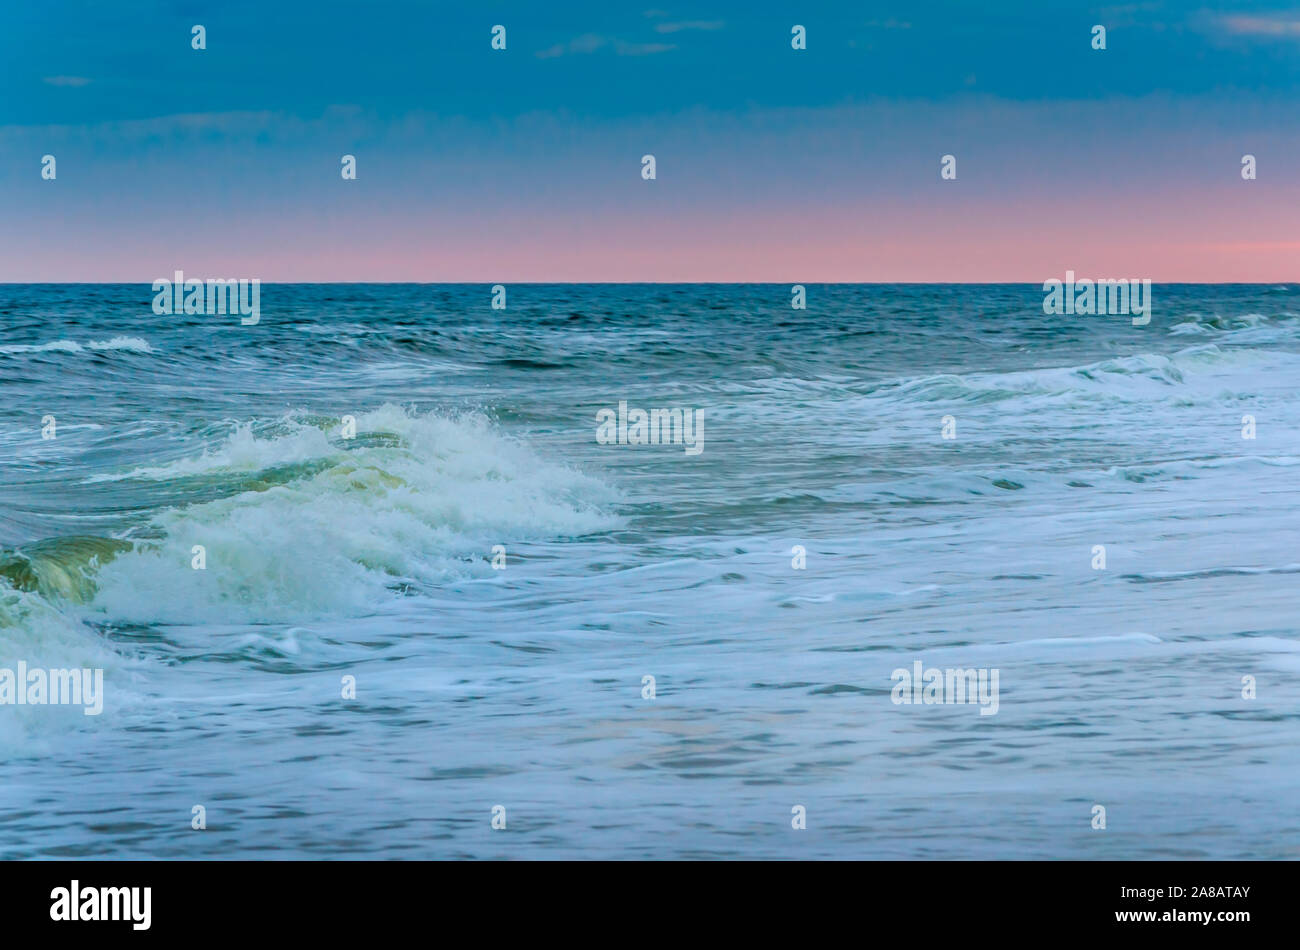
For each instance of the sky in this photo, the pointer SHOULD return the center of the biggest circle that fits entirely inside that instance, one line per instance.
(772, 164)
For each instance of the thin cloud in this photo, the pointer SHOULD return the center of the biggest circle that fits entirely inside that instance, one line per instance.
(593, 42)
(587, 43)
(689, 25)
(643, 49)
(1248, 25)
(66, 81)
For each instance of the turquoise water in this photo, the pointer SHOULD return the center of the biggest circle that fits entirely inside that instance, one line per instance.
(370, 556)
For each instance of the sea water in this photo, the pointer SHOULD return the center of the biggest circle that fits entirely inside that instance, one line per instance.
(632, 650)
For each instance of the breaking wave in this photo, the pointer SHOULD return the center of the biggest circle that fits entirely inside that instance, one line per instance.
(298, 522)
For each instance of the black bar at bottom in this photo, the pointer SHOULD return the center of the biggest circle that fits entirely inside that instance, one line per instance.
(947, 901)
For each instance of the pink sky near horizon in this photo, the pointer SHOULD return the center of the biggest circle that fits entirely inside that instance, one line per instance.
(1254, 239)
(849, 194)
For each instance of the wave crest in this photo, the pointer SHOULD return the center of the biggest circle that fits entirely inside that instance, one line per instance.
(411, 501)
(130, 343)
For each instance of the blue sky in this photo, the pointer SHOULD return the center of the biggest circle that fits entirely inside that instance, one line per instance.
(83, 62)
(459, 144)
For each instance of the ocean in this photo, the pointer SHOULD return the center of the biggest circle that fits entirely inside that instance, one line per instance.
(364, 582)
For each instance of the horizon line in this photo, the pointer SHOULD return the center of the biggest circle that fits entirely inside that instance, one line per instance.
(633, 283)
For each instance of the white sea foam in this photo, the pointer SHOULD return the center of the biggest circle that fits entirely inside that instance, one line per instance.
(420, 500)
(242, 451)
(38, 633)
(132, 343)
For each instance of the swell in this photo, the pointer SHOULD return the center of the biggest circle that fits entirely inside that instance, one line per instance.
(1209, 373)
(1123, 378)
